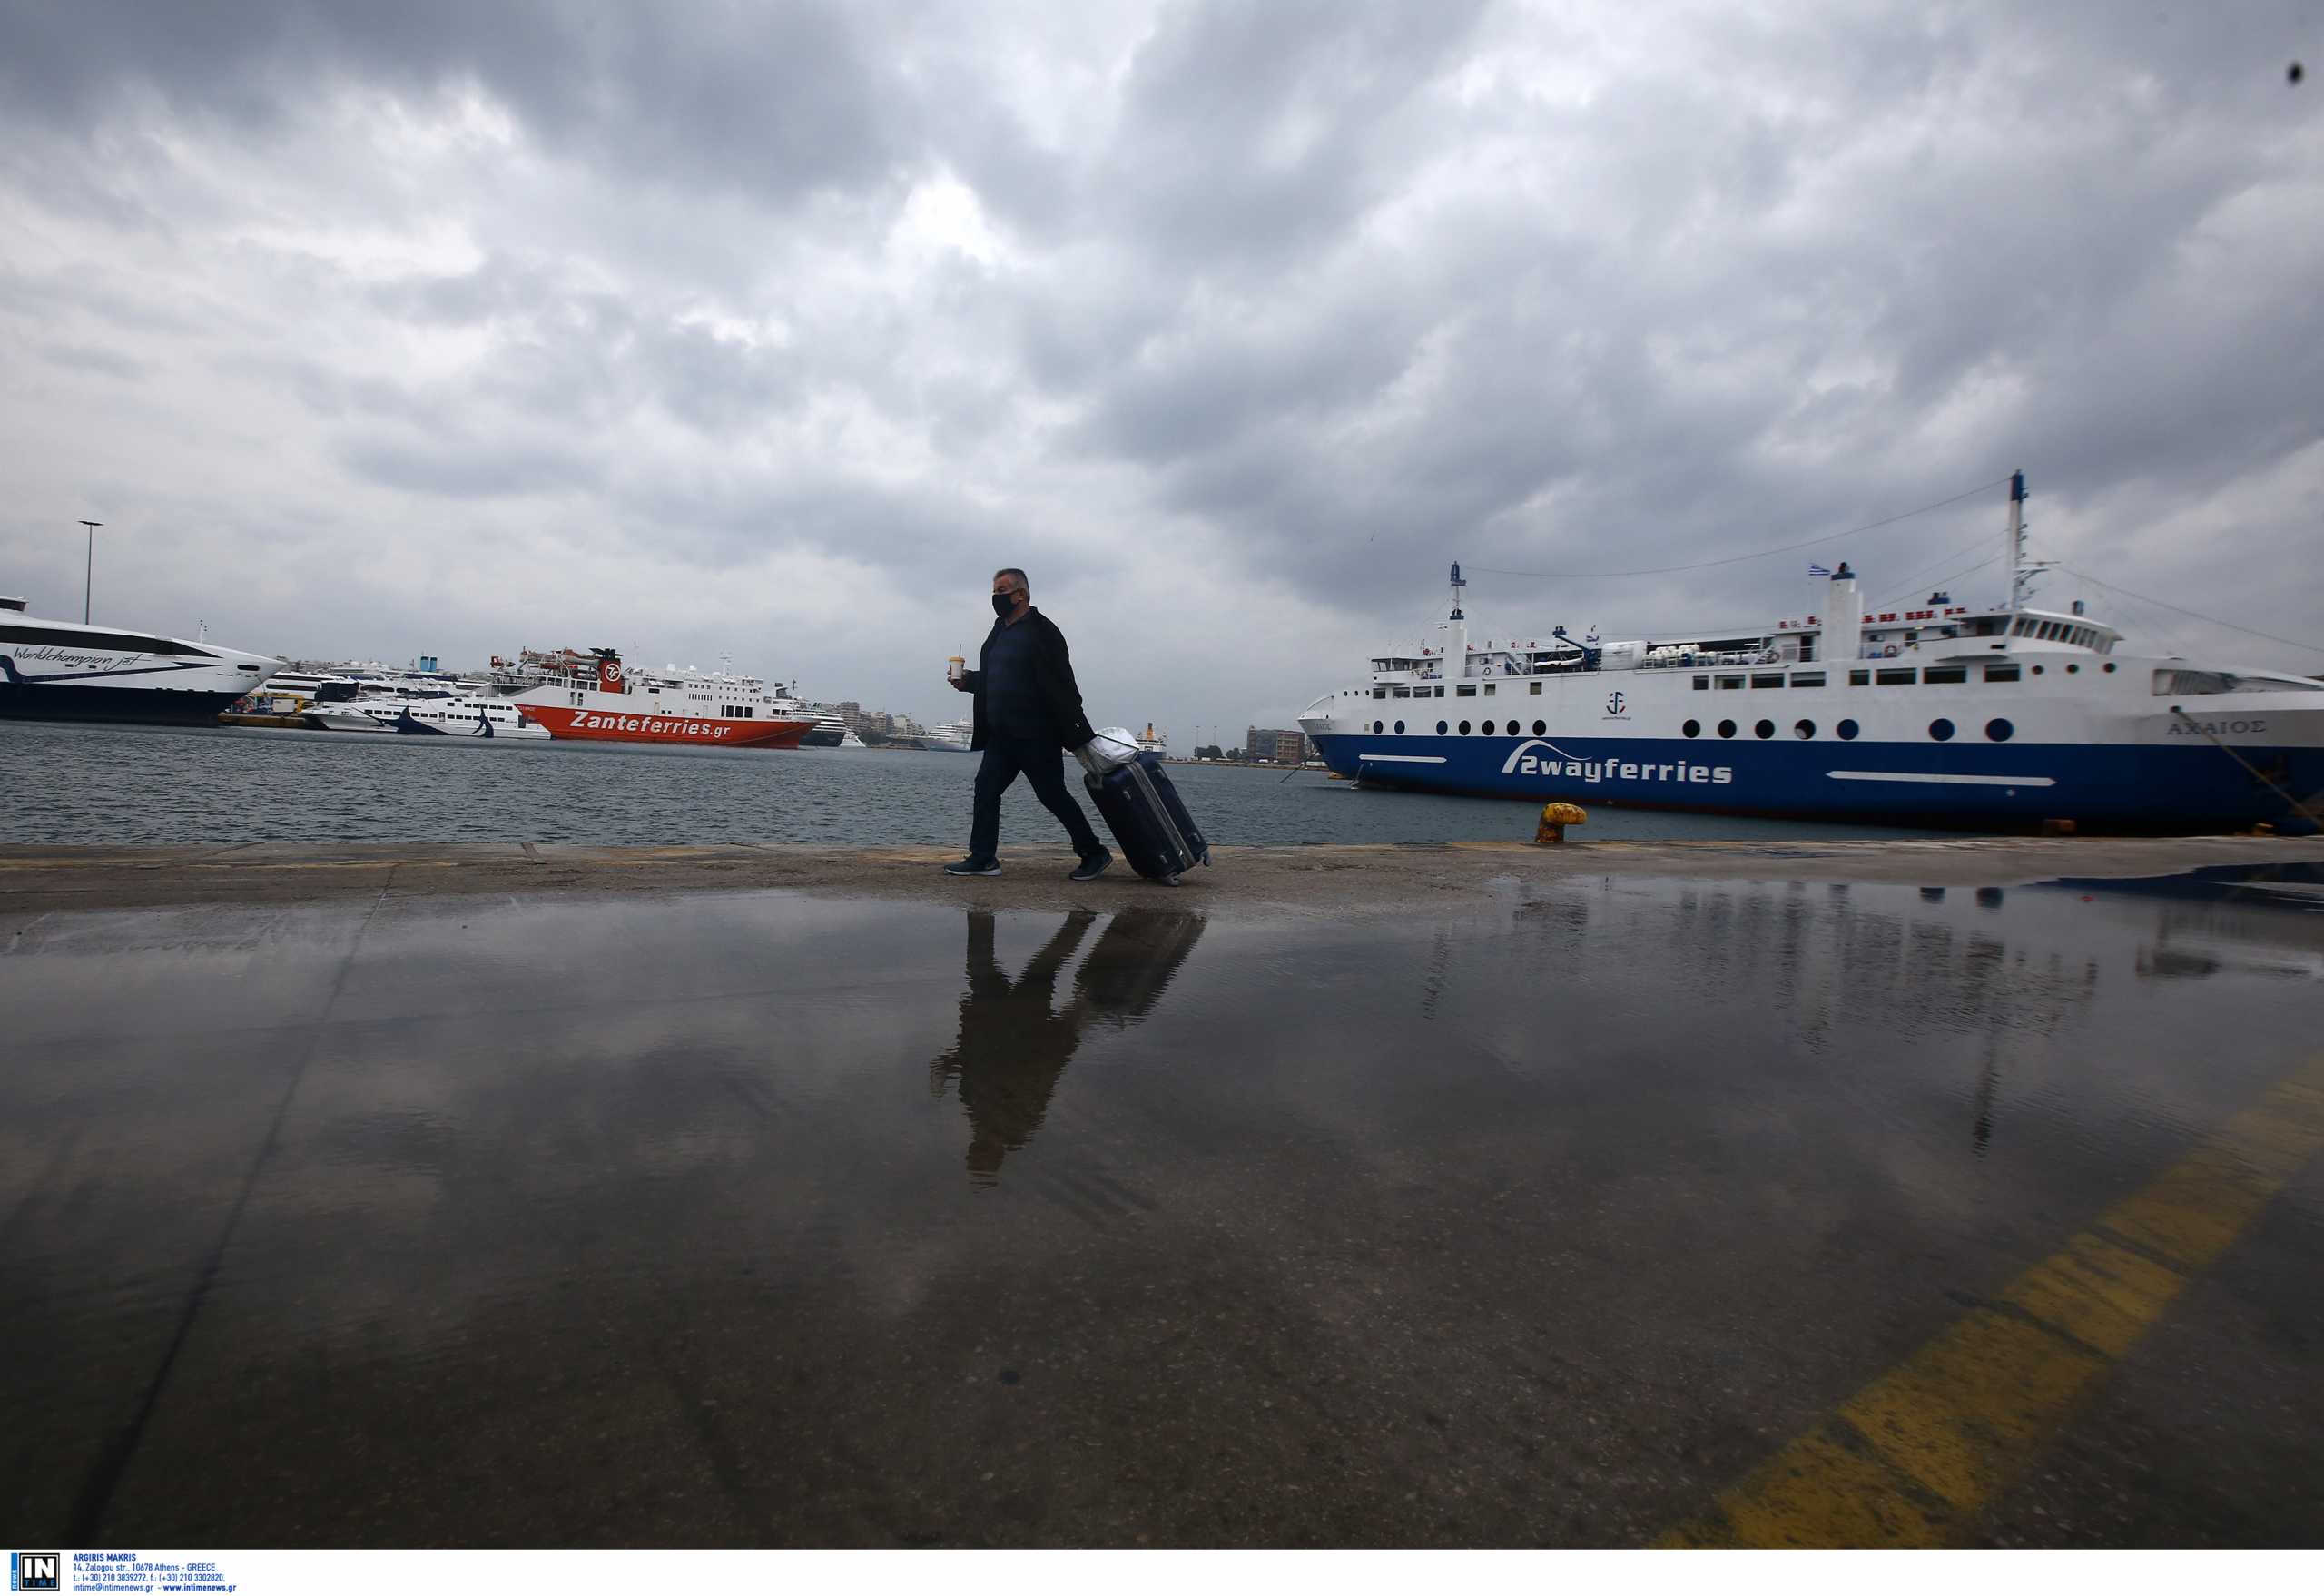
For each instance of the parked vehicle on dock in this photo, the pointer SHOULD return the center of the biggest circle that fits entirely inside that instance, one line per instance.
(2000, 717)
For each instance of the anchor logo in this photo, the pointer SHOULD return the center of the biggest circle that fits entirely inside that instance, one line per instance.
(1615, 702)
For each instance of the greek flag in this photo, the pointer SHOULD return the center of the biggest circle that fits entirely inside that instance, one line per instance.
(1815, 570)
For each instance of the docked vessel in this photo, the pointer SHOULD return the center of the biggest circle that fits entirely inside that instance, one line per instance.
(465, 717)
(952, 737)
(66, 670)
(590, 696)
(1996, 718)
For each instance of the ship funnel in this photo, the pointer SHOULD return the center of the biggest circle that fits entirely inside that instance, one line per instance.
(1843, 617)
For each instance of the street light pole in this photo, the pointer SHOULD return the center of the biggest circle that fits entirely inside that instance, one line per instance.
(88, 576)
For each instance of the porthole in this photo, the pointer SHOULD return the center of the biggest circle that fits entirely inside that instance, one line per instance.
(1941, 729)
(2037, 670)
(1692, 728)
(1846, 730)
(1764, 730)
(1539, 726)
(1464, 728)
(1804, 730)
(1487, 728)
(2074, 670)
(2000, 731)
(1727, 728)
(1441, 728)
(1400, 728)
(1376, 727)
(2107, 667)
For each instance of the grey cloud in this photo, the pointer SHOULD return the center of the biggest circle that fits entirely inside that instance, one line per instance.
(101, 362)
(774, 101)
(468, 469)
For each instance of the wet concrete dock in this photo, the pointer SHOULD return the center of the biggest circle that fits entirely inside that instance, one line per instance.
(1875, 1193)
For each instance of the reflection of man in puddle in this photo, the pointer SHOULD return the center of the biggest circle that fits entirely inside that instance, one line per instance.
(1015, 1043)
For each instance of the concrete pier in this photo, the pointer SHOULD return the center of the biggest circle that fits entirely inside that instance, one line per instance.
(1900, 1193)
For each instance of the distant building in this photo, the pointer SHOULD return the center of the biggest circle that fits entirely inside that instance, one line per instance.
(1280, 746)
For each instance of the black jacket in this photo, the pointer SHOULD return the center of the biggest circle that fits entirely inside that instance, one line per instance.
(1052, 678)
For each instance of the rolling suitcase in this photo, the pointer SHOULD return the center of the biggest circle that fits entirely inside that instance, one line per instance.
(1149, 819)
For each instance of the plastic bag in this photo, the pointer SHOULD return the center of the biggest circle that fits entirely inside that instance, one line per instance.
(1110, 749)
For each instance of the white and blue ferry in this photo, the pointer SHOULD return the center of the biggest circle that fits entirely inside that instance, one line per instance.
(1999, 719)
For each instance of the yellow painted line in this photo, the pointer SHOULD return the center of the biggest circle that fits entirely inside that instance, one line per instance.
(1905, 1461)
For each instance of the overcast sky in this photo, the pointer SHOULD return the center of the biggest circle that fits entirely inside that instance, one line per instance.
(769, 330)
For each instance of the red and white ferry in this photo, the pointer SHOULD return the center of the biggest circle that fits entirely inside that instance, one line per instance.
(592, 696)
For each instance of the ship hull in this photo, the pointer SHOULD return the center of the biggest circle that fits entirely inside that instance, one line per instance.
(2017, 786)
(157, 706)
(598, 726)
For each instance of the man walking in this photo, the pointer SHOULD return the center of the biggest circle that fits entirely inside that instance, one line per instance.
(1027, 709)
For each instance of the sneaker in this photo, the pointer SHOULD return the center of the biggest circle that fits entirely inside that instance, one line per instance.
(972, 865)
(1091, 868)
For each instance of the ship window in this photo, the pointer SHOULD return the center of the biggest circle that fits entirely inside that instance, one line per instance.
(1941, 729)
(1489, 689)
(1807, 678)
(1400, 728)
(103, 642)
(1769, 679)
(1400, 692)
(2001, 672)
(2109, 667)
(1859, 678)
(2000, 731)
(1464, 728)
(1486, 728)
(2190, 684)
(1375, 726)
(1893, 678)
(1846, 729)
(1382, 693)
(1727, 683)
(1466, 692)
(1727, 728)
(1692, 729)
(1539, 726)
(1535, 687)
(1944, 676)
(1804, 730)
(1764, 730)
(1702, 684)
(2072, 669)
(1439, 728)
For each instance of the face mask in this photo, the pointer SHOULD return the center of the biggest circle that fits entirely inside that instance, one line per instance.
(1004, 604)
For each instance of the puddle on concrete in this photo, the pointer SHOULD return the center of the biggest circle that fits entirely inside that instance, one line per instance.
(760, 1217)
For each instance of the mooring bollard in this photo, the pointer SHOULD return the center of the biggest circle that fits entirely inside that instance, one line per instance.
(1555, 818)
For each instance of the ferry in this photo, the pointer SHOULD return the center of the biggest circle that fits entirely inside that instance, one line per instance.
(68, 670)
(2011, 718)
(591, 698)
(460, 717)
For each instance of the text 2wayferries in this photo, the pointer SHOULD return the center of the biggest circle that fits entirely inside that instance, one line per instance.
(1939, 714)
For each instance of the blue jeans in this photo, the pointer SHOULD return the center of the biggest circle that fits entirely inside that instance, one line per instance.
(1040, 762)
